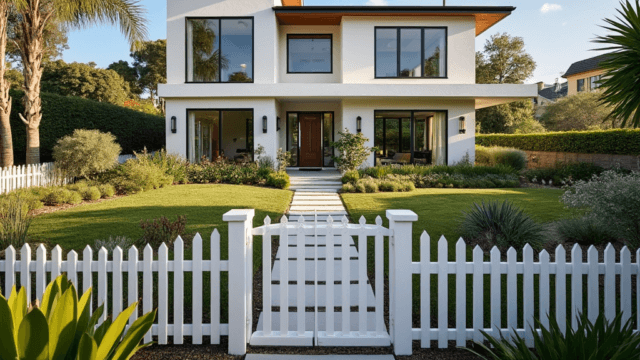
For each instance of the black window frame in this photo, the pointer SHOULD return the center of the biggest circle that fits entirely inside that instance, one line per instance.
(310, 36)
(221, 110)
(219, 18)
(399, 50)
(412, 134)
(583, 88)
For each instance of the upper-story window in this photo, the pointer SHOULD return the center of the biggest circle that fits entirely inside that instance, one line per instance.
(589, 84)
(220, 50)
(411, 52)
(310, 54)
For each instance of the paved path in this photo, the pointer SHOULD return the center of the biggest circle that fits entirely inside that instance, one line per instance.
(316, 194)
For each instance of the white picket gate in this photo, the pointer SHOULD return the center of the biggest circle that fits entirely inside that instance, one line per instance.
(26, 176)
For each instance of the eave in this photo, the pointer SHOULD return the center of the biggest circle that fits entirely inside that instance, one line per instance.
(485, 16)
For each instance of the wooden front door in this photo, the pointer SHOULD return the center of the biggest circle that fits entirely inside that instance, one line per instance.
(310, 140)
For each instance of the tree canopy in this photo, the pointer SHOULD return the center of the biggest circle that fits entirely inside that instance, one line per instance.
(582, 111)
(151, 65)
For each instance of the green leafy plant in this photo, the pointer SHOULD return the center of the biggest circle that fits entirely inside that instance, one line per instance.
(91, 193)
(162, 230)
(284, 159)
(493, 156)
(62, 328)
(621, 70)
(59, 196)
(107, 190)
(564, 173)
(137, 175)
(352, 151)
(599, 340)
(14, 221)
(86, 153)
(501, 224)
(586, 230)
(279, 180)
(350, 176)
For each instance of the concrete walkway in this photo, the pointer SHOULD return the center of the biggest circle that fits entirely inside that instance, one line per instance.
(316, 194)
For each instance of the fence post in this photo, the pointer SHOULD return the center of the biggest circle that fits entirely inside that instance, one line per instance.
(240, 278)
(400, 285)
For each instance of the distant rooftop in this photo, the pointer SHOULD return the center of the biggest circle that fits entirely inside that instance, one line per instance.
(554, 92)
(585, 65)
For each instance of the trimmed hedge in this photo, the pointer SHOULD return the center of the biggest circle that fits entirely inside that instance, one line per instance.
(62, 115)
(614, 142)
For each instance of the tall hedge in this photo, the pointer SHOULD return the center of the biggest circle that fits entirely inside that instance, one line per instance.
(62, 115)
(614, 142)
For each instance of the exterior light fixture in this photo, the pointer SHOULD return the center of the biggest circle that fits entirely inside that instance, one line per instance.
(463, 125)
(264, 124)
(174, 124)
(278, 124)
(359, 124)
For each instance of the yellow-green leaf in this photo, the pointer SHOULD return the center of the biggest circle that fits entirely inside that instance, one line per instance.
(134, 335)
(113, 335)
(62, 324)
(82, 323)
(48, 299)
(88, 348)
(8, 348)
(18, 306)
(33, 337)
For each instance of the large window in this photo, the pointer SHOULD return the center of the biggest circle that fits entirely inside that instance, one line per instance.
(220, 50)
(310, 54)
(215, 134)
(412, 52)
(589, 84)
(418, 137)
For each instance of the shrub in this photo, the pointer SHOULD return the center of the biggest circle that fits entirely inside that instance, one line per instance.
(86, 153)
(107, 190)
(501, 224)
(91, 193)
(14, 221)
(615, 142)
(56, 196)
(173, 165)
(564, 174)
(62, 115)
(279, 180)
(162, 230)
(73, 198)
(600, 340)
(32, 197)
(139, 174)
(79, 186)
(493, 156)
(112, 242)
(585, 230)
(348, 188)
(582, 111)
(352, 150)
(351, 176)
(284, 159)
(52, 331)
(614, 199)
(263, 160)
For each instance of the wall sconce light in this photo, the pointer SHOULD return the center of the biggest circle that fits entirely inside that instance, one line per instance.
(264, 124)
(278, 124)
(174, 124)
(359, 124)
(463, 125)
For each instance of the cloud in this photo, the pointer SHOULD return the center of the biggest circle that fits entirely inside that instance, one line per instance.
(377, 3)
(550, 7)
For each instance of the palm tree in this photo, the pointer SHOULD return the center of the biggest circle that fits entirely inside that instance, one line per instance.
(35, 15)
(621, 80)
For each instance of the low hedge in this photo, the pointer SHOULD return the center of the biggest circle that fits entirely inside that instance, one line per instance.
(62, 115)
(614, 142)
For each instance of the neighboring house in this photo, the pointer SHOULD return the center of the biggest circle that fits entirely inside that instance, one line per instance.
(548, 94)
(584, 75)
(277, 74)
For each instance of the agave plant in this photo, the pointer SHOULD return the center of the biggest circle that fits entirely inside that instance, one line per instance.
(599, 340)
(61, 328)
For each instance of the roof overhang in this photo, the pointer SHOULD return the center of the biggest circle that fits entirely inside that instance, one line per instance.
(292, 2)
(486, 16)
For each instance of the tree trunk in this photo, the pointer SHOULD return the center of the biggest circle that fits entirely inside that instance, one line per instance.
(31, 43)
(6, 142)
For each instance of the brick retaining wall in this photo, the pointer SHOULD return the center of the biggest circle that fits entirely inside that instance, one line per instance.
(543, 159)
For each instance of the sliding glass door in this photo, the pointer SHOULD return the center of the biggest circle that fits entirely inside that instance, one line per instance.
(417, 137)
(215, 134)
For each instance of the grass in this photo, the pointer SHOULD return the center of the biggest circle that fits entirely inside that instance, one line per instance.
(440, 214)
(203, 206)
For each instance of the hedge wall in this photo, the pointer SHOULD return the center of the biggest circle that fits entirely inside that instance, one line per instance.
(62, 115)
(614, 142)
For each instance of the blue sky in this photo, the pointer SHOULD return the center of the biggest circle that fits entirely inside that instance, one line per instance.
(556, 33)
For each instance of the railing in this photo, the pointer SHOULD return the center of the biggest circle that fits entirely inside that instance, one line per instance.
(26, 176)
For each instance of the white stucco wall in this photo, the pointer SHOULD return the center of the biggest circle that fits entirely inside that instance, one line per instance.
(334, 77)
(358, 48)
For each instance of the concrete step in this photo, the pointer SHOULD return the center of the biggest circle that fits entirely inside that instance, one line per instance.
(327, 190)
(316, 208)
(316, 203)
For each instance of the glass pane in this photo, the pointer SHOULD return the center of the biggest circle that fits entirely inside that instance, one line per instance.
(378, 140)
(406, 135)
(435, 50)
(310, 53)
(204, 135)
(422, 154)
(581, 85)
(410, 48)
(327, 138)
(292, 137)
(237, 50)
(236, 137)
(203, 51)
(386, 52)
(439, 139)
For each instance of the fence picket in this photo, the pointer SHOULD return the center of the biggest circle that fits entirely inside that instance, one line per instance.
(561, 286)
(593, 285)
(478, 294)
(443, 292)
(117, 281)
(461, 293)
(21, 176)
(362, 279)
(132, 277)
(56, 262)
(330, 308)
(87, 273)
(72, 269)
(25, 275)
(41, 271)
(346, 280)
(284, 276)
(163, 294)
(379, 277)
(545, 294)
(425, 289)
(576, 284)
(496, 292)
(528, 299)
(147, 285)
(10, 270)
(178, 291)
(196, 288)
(512, 292)
(102, 283)
(300, 281)
(215, 287)
(609, 283)
(625, 284)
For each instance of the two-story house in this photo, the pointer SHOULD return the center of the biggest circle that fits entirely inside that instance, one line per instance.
(585, 75)
(277, 74)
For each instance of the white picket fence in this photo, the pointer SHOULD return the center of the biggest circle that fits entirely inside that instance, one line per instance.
(26, 176)
(491, 280)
